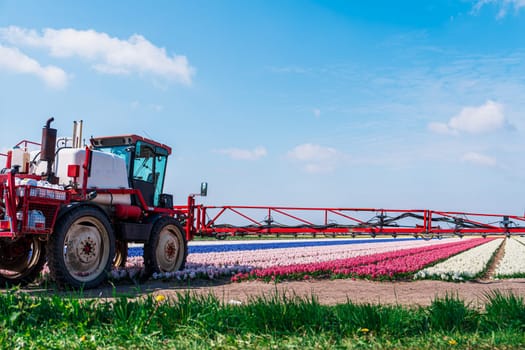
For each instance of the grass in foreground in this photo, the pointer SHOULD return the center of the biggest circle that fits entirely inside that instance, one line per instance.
(278, 321)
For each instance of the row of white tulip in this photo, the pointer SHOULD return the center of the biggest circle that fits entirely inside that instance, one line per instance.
(134, 269)
(465, 265)
(513, 262)
(520, 239)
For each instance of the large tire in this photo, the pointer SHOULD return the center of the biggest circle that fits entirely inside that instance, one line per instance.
(121, 253)
(81, 249)
(166, 249)
(22, 260)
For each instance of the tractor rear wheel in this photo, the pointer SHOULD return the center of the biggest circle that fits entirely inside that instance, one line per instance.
(81, 250)
(166, 250)
(22, 260)
(121, 253)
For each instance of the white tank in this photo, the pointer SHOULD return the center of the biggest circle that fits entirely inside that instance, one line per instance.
(108, 171)
(20, 158)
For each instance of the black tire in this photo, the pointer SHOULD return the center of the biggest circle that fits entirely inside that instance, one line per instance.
(166, 250)
(121, 253)
(22, 260)
(81, 249)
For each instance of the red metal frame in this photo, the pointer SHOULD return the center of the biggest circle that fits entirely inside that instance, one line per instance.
(22, 199)
(27, 143)
(263, 220)
(133, 139)
(47, 200)
(8, 157)
(24, 144)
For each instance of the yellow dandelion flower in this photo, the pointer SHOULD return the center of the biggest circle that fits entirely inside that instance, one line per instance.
(160, 298)
(82, 338)
(364, 330)
(452, 342)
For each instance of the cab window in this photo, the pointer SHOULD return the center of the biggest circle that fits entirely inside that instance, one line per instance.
(144, 163)
(149, 166)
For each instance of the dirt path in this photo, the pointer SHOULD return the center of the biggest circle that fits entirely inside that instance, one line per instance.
(339, 291)
(327, 291)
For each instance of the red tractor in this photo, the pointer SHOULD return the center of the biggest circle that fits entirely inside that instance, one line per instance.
(78, 208)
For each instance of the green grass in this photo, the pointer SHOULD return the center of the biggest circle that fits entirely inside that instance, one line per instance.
(275, 321)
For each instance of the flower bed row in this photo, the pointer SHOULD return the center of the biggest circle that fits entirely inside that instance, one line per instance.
(513, 262)
(227, 247)
(214, 247)
(467, 265)
(376, 266)
(305, 255)
(134, 269)
(229, 262)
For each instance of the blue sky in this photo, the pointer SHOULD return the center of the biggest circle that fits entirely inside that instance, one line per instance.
(393, 104)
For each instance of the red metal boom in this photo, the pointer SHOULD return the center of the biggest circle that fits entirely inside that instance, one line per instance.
(221, 221)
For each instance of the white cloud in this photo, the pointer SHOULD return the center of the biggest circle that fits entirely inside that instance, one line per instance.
(479, 159)
(479, 119)
(316, 158)
(441, 128)
(475, 120)
(503, 6)
(244, 154)
(11, 59)
(109, 55)
(312, 152)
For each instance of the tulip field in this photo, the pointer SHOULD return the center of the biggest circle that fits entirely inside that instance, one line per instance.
(450, 259)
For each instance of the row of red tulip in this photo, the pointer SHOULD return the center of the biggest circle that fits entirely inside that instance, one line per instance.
(388, 265)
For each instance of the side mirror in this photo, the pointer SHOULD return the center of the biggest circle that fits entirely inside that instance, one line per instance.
(204, 189)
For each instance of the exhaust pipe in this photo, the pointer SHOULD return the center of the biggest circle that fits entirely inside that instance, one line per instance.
(48, 148)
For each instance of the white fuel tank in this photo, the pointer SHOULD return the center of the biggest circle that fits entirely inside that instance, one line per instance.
(108, 171)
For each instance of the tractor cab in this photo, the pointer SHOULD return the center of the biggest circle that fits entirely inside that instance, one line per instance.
(146, 164)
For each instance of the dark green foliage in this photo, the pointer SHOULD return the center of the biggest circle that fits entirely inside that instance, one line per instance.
(450, 314)
(504, 312)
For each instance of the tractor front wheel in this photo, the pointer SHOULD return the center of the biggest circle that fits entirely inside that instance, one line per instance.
(81, 249)
(166, 250)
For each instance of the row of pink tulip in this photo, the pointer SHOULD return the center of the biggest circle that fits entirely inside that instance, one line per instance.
(377, 266)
